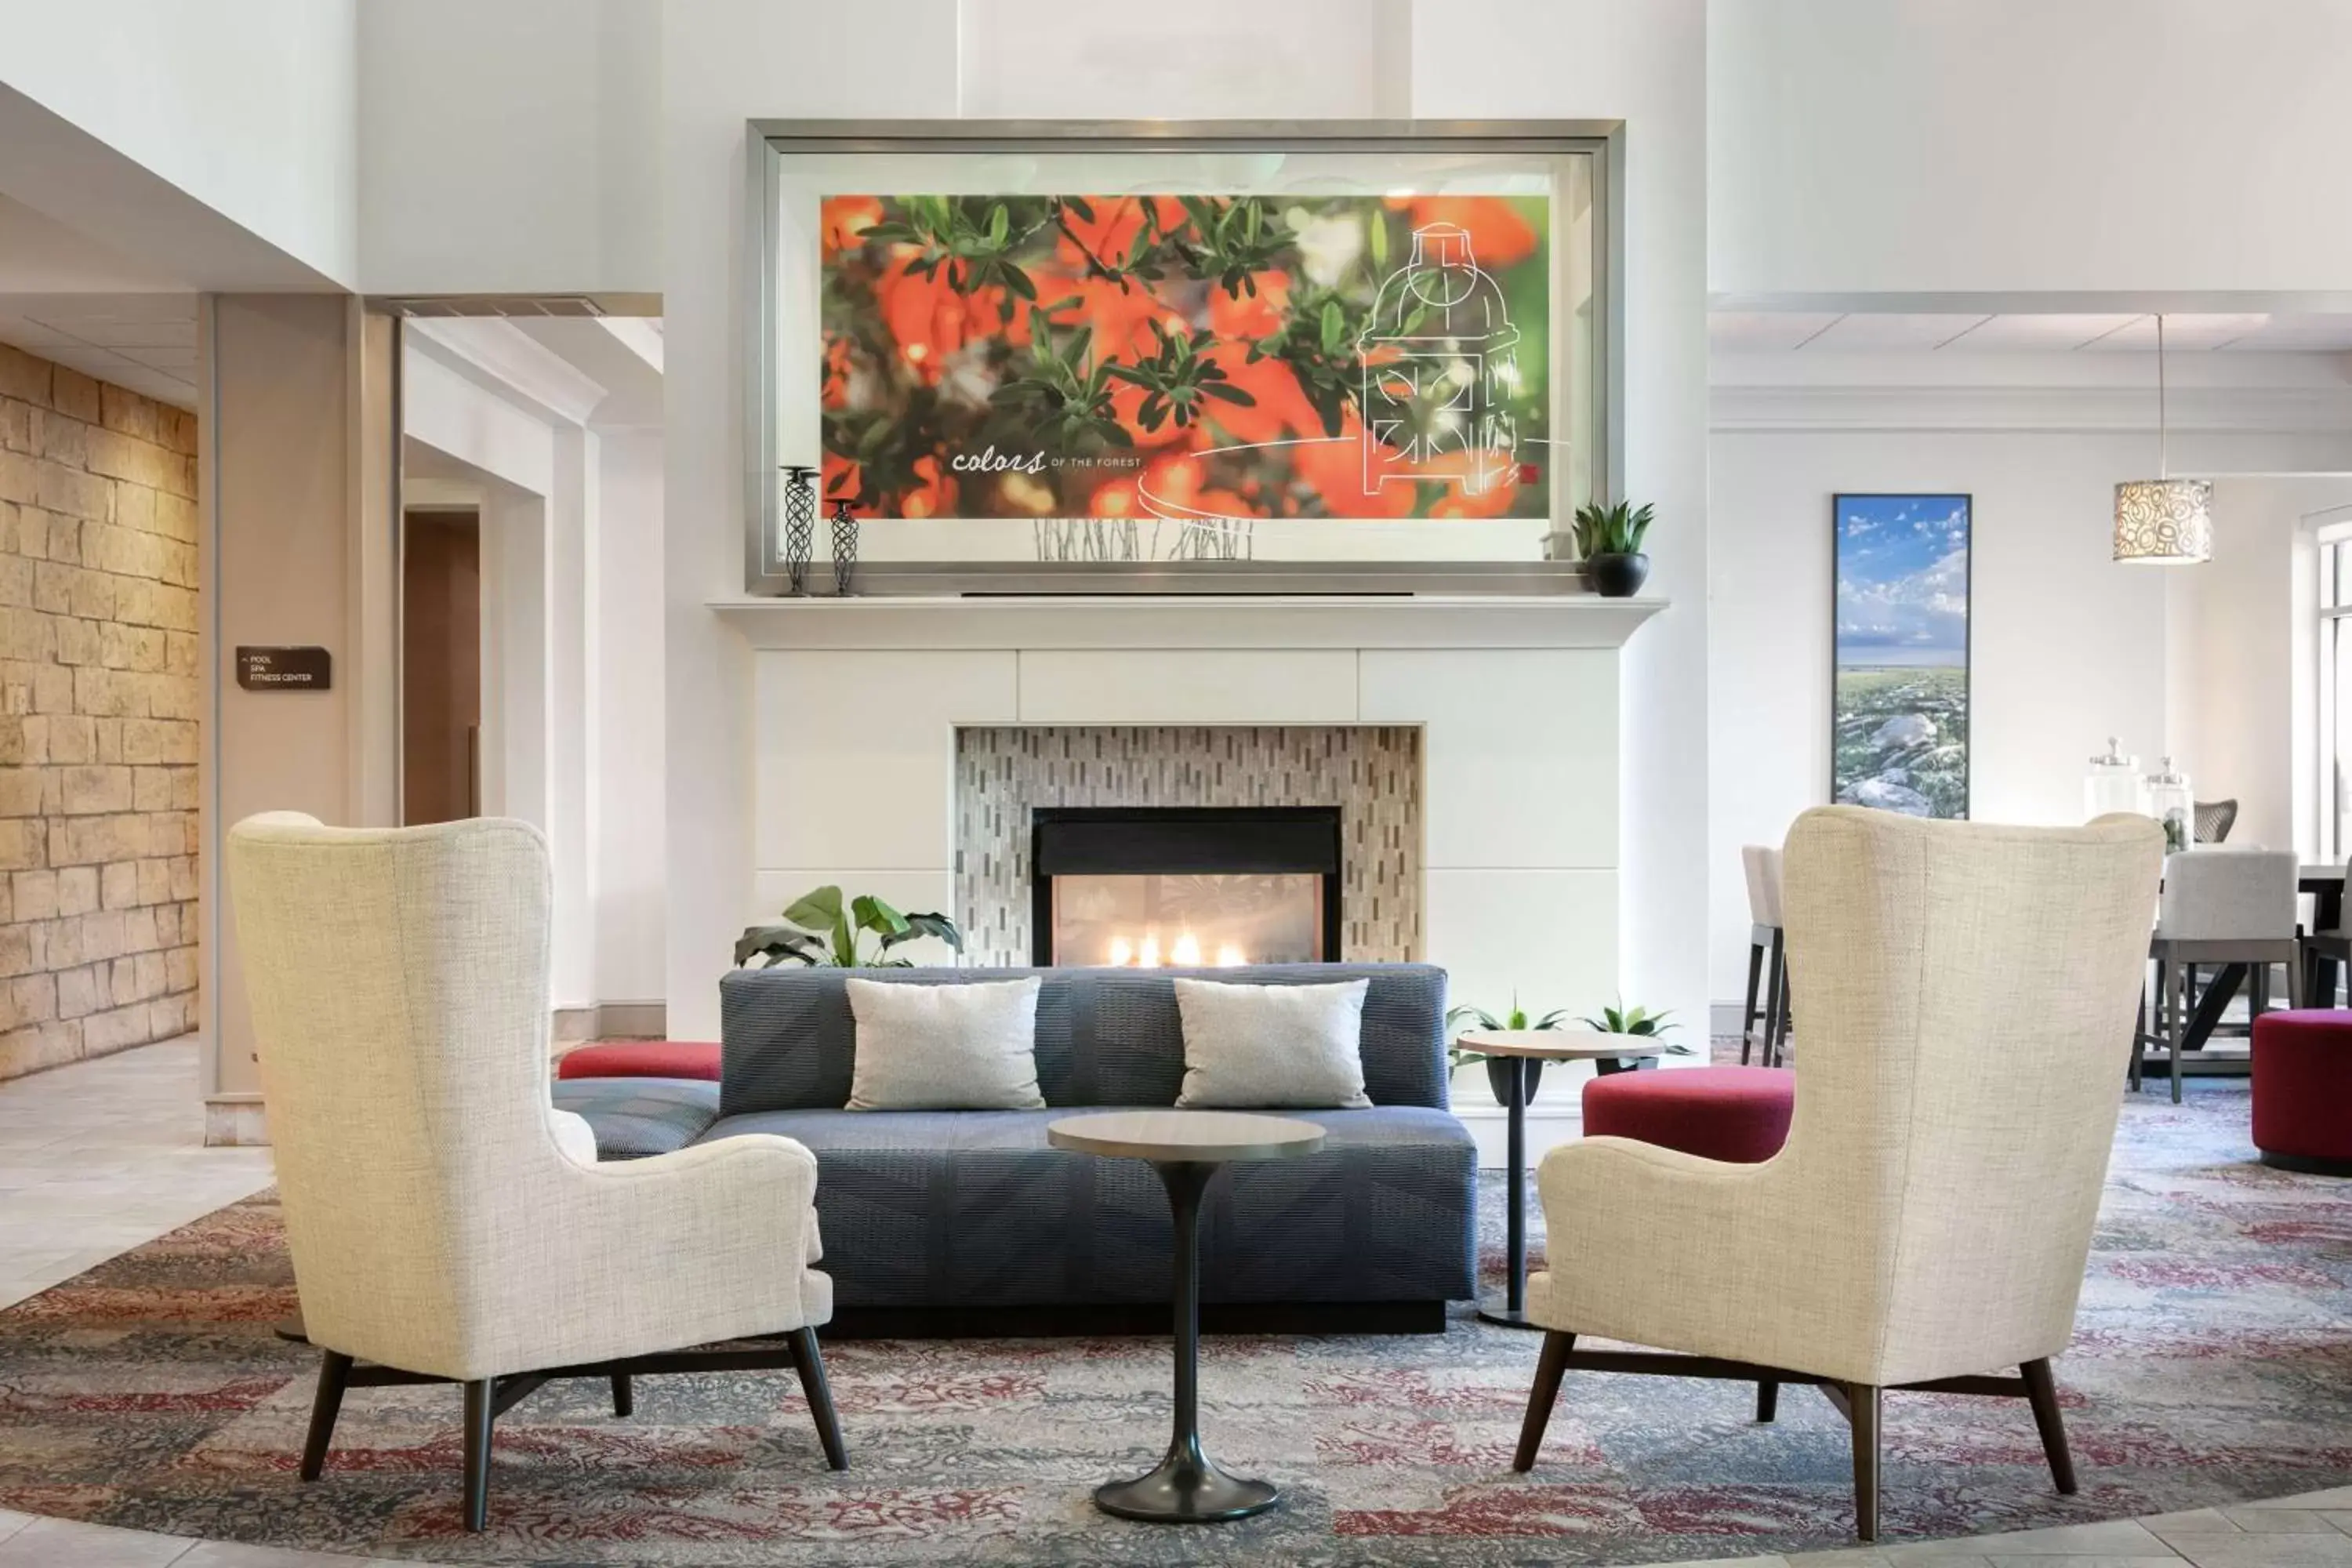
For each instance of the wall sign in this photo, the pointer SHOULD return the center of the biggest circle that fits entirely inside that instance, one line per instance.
(284, 669)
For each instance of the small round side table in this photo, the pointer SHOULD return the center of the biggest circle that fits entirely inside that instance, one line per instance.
(1187, 1148)
(1607, 1054)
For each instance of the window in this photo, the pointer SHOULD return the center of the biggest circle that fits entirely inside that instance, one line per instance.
(1105, 348)
(2335, 749)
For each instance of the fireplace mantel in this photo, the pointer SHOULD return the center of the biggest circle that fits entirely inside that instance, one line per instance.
(1191, 621)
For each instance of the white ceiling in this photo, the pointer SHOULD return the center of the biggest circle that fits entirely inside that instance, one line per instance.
(144, 341)
(1769, 331)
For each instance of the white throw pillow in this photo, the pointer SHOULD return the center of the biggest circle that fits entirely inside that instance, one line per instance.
(1265, 1045)
(945, 1048)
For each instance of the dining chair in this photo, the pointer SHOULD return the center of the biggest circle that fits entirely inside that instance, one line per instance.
(2213, 819)
(1761, 865)
(2235, 907)
(447, 1225)
(1968, 993)
(2326, 954)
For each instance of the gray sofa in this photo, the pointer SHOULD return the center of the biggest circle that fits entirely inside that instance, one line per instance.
(943, 1222)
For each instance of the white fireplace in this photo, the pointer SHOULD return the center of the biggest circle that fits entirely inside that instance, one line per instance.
(1512, 703)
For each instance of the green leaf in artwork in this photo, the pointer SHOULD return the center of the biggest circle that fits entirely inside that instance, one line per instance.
(1334, 327)
(1000, 224)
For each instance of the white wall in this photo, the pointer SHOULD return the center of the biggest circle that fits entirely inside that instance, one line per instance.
(510, 146)
(723, 63)
(249, 107)
(2068, 648)
(1974, 145)
(1643, 61)
(626, 761)
(2243, 688)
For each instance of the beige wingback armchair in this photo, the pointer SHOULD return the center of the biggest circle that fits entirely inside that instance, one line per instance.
(1968, 995)
(445, 1223)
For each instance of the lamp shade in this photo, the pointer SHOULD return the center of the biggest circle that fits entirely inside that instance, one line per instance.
(2163, 522)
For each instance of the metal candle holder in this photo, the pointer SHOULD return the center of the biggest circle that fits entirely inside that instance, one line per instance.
(800, 522)
(845, 545)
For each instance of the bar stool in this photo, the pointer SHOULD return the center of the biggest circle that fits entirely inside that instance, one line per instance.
(2231, 907)
(1762, 863)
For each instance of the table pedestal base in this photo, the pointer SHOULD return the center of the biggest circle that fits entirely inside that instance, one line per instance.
(1496, 1310)
(1186, 1488)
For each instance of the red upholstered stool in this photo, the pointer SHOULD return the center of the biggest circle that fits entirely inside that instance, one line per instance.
(642, 1059)
(2303, 1090)
(1738, 1114)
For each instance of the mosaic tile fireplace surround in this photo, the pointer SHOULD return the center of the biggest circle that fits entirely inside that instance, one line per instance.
(1371, 773)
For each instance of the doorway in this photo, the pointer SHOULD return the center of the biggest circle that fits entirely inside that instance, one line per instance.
(441, 666)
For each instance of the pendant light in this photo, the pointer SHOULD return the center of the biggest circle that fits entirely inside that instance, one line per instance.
(2163, 521)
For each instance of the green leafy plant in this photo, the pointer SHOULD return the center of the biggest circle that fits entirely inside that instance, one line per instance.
(1175, 379)
(969, 236)
(1611, 531)
(1068, 393)
(1517, 1018)
(1623, 1020)
(821, 930)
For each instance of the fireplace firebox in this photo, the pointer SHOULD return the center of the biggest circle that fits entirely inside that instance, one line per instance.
(1185, 886)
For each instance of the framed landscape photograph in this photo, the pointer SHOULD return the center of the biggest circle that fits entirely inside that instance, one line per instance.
(1899, 660)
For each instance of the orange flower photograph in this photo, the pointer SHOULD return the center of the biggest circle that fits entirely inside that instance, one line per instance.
(1187, 357)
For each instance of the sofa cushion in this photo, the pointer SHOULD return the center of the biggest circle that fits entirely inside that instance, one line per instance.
(932, 1208)
(945, 1048)
(1272, 1045)
(641, 1058)
(634, 1117)
(1104, 1037)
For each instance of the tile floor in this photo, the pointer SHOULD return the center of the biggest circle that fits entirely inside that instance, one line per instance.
(101, 1156)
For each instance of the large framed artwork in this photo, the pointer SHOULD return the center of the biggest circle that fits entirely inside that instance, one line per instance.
(1899, 662)
(1174, 358)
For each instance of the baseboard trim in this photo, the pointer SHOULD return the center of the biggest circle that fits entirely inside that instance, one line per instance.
(1127, 1319)
(588, 1021)
(235, 1121)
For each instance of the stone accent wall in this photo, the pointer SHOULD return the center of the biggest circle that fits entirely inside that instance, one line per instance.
(98, 717)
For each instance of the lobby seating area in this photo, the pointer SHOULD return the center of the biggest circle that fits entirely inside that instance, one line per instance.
(1366, 783)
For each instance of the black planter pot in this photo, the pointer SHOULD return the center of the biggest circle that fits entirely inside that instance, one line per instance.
(1498, 1077)
(1618, 576)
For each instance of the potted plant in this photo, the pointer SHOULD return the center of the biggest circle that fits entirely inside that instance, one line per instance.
(1609, 539)
(1498, 1068)
(1650, 1028)
(823, 931)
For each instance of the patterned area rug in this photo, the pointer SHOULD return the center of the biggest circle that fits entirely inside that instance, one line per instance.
(2213, 1363)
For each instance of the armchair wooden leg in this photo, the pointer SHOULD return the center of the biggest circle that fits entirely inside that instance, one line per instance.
(625, 1394)
(2174, 1023)
(1863, 1407)
(1768, 1399)
(810, 1363)
(1549, 1368)
(334, 1377)
(2041, 1391)
(479, 1394)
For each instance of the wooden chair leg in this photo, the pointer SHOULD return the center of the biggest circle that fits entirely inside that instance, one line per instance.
(625, 1394)
(479, 1396)
(334, 1377)
(1862, 1401)
(2041, 1390)
(1768, 1399)
(1549, 1368)
(810, 1363)
(1747, 1014)
(1776, 1005)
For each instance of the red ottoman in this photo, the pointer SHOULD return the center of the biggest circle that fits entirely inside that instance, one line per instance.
(2303, 1090)
(1738, 1114)
(642, 1059)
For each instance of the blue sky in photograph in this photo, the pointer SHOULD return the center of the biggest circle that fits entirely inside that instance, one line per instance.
(1902, 580)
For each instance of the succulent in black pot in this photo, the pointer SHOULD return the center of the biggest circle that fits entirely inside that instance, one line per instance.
(1609, 541)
